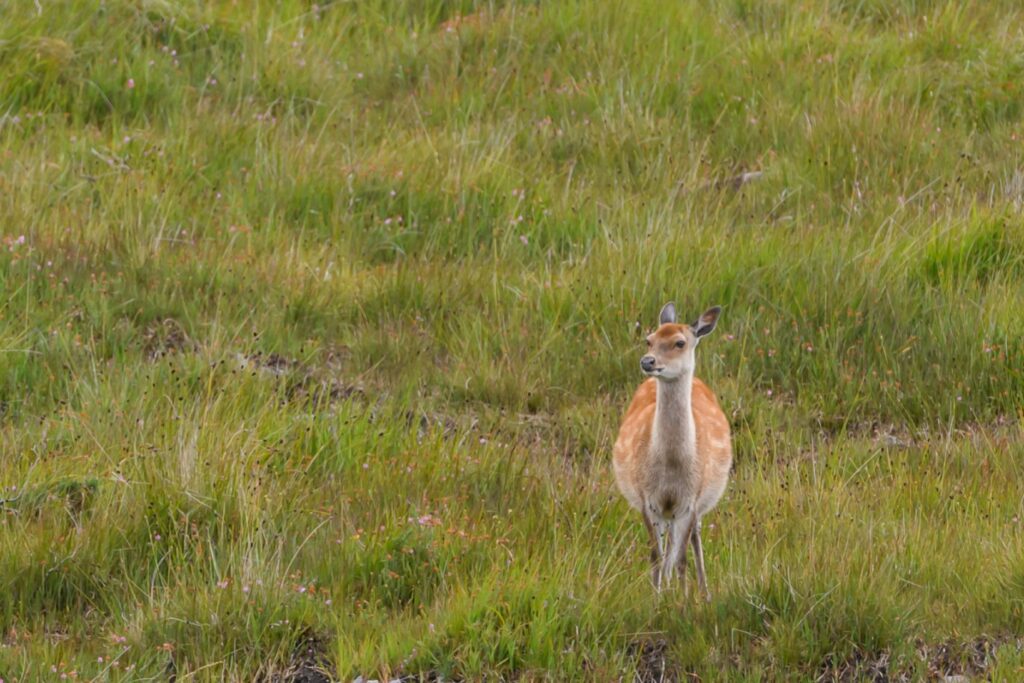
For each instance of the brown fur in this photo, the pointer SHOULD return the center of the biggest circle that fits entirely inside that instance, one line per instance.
(633, 444)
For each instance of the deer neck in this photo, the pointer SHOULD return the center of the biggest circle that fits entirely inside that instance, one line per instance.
(674, 433)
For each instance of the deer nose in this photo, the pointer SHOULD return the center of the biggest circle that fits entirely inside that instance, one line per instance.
(647, 363)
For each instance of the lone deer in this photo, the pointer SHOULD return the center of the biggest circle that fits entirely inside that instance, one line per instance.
(673, 453)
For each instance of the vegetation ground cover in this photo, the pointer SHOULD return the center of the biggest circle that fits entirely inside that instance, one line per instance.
(318, 321)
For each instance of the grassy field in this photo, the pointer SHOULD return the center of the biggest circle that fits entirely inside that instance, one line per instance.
(317, 323)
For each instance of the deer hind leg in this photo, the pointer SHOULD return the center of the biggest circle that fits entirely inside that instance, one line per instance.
(657, 536)
(698, 559)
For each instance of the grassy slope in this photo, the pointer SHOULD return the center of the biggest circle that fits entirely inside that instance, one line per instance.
(473, 221)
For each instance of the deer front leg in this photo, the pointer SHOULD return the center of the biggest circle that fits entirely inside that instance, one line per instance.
(682, 529)
(675, 558)
(657, 550)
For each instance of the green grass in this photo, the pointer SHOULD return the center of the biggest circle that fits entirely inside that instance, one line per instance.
(317, 323)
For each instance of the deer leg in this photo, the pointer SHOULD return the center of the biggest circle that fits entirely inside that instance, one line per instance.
(698, 559)
(657, 550)
(676, 556)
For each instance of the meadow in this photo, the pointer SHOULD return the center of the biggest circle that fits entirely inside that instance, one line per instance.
(318, 321)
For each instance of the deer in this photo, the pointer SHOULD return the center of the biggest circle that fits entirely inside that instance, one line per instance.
(673, 453)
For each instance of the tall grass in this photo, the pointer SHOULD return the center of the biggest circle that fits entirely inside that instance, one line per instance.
(318, 322)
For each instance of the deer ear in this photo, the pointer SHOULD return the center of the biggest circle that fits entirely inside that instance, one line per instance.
(706, 322)
(668, 314)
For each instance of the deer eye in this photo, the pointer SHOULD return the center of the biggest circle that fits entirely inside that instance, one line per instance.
(648, 342)
(680, 344)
